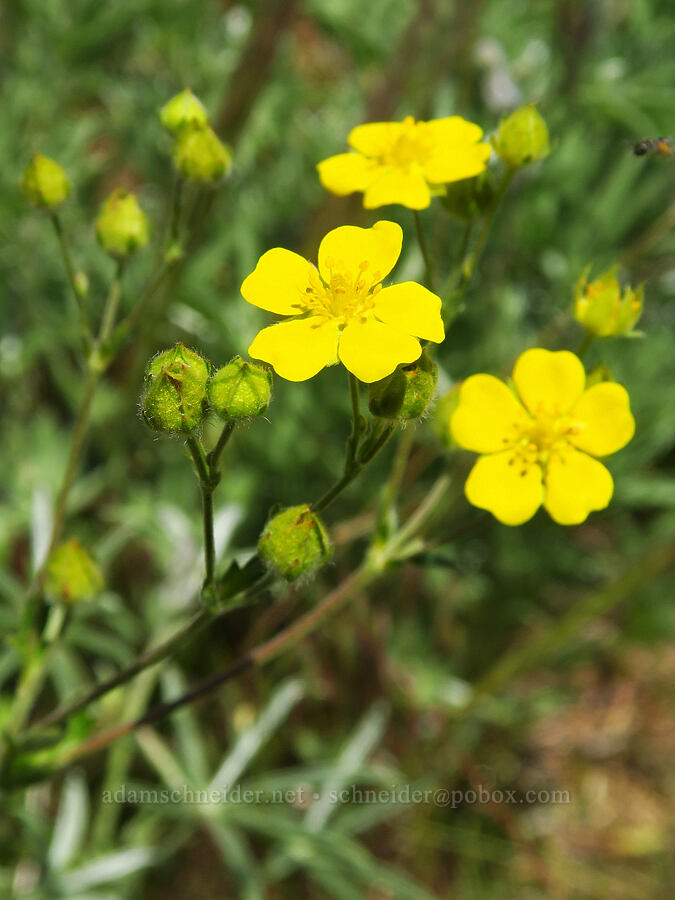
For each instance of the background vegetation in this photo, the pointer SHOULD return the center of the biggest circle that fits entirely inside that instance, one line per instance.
(374, 699)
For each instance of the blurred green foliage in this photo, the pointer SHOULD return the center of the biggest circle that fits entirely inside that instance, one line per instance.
(82, 82)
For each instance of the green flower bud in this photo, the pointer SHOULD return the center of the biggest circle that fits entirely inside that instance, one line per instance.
(174, 398)
(183, 109)
(200, 155)
(295, 542)
(603, 308)
(240, 390)
(81, 284)
(405, 394)
(471, 197)
(522, 137)
(72, 575)
(445, 407)
(122, 226)
(44, 183)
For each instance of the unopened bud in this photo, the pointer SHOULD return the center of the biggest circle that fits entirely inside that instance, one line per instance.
(405, 394)
(44, 183)
(522, 137)
(240, 390)
(174, 398)
(72, 575)
(200, 155)
(81, 284)
(295, 542)
(181, 110)
(604, 308)
(122, 226)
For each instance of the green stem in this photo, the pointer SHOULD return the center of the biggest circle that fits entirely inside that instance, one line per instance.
(176, 206)
(70, 271)
(149, 658)
(352, 466)
(589, 337)
(470, 261)
(207, 487)
(426, 256)
(213, 458)
(112, 304)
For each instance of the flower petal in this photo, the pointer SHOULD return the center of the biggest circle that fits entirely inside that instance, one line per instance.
(500, 484)
(406, 186)
(375, 138)
(549, 382)
(297, 349)
(486, 415)
(371, 350)
(602, 419)
(576, 484)
(411, 308)
(348, 249)
(455, 151)
(347, 172)
(278, 282)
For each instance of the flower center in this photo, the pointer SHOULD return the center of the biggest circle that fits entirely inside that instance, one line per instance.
(411, 146)
(536, 438)
(344, 296)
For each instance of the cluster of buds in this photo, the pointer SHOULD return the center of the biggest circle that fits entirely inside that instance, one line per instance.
(198, 153)
(604, 308)
(180, 390)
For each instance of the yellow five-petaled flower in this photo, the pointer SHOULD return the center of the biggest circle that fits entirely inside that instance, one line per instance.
(539, 439)
(405, 162)
(340, 310)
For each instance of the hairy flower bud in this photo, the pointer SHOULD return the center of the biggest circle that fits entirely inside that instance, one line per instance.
(295, 542)
(405, 394)
(522, 137)
(200, 155)
(183, 109)
(603, 308)
(122, 226)
(240, 390)
(72, 575)
(44, 183)
(174, 397)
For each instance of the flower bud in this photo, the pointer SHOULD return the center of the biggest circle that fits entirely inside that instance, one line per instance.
(200, 155)
(295, 542)
(522, 137)
(174, 398)
(81, 281)
(405, 394)
(183, 109)
(122, 226)
(44, 183)
(603, 308)
(72, 575)
(470, 198)
(240, 390)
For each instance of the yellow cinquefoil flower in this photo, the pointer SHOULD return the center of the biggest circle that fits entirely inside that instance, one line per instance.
(340, 310)
(405, 162)
(539, 443)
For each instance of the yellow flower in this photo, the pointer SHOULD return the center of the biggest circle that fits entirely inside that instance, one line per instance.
(340, 310)
(539, 443)
(405, 162)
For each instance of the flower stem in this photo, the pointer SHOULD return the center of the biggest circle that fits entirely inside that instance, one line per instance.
(352, 466)
(70, 271)
(207, 487)
(426, 256)
(112, 305)
(589, 337)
